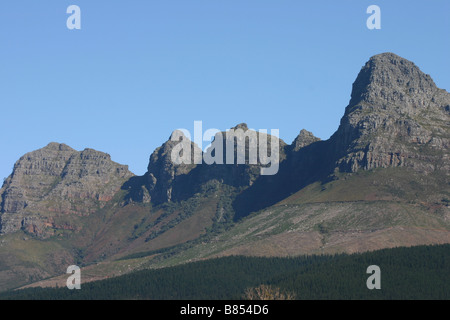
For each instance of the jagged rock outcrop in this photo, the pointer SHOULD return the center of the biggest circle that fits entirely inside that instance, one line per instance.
(167, 180)
(396, 117)
(304, 138)
(250, 153)
(57, 180)
(162, 171)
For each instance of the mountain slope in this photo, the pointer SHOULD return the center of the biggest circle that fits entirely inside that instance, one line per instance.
(381, 180)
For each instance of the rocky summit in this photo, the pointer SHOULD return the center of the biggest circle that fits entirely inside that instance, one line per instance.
(303, 139)
(396, 117)
(56, 181)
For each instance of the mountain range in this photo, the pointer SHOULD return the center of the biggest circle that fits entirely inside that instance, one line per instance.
(380, 181)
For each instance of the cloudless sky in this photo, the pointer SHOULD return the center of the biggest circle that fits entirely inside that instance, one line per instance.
(138, 69)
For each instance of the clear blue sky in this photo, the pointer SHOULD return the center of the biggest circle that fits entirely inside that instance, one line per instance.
(138, 69)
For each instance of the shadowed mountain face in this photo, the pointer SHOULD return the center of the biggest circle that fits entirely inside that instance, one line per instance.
(396, 117)
(167, 181)
(382, 174)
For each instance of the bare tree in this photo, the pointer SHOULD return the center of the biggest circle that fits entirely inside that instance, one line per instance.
(266, 292)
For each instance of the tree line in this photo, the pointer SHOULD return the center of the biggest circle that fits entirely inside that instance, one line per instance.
(419, 272)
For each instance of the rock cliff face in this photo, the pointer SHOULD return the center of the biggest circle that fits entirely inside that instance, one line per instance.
(162, 173)
(57, 180)
(396, 117)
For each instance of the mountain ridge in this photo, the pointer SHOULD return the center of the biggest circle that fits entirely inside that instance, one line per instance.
(383, 172)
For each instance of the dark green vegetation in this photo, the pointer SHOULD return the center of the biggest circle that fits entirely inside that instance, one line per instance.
(406, 273)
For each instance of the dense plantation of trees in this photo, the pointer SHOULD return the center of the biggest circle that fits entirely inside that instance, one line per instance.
(420, 272)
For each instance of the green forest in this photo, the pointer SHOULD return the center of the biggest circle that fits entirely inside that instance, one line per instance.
(420, 272)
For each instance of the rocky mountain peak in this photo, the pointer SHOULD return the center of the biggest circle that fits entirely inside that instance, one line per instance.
(304, 139)
(242, 126)
(56, 146)
(394, 108)
(162, 170)
(390, 79)
(57, 180)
